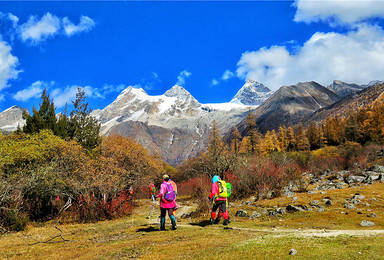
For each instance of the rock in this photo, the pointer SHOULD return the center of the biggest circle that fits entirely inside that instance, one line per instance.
(323, 192)
(314, 203)
(372, 215)
(327, 202)
(241, 213)
(311, 192)
(292, 252)
(359, 197)
(349, 206)
(367, 223)
(354, 179)
(281, 211)
(272, 213)
(186, 215)
(292, 208)
(294, 199)
(377, 168)
(320, 210)
(255, 215)
(289, 194)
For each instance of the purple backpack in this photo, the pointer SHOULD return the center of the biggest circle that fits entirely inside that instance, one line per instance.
(170, 193)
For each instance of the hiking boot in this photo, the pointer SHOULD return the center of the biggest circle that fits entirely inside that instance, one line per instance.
(226, 222)
(216, 221)
(211, 221)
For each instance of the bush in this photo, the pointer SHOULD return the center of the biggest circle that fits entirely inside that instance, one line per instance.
(198, 187)
(13, 220)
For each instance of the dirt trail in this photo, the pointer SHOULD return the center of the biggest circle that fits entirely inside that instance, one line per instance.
(276, 232)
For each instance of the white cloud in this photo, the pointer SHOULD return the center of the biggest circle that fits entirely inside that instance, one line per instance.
(66, 96)
(33, 91)
(112, 89)
(35, 30)
(338, 12)
(85, 25)
(227, 75)
(182, 76)
(355, 57)
(215, 82)
(8, 65)
(2, 98)
(14, 19)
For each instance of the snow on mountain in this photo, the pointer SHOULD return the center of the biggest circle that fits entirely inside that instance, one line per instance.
(252, 93)
(174, 124)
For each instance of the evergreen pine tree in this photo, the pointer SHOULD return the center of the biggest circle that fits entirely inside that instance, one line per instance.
(84, 128)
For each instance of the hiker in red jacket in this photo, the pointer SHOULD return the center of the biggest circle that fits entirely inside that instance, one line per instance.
(218, 203)
(167, 202)
(152, 191)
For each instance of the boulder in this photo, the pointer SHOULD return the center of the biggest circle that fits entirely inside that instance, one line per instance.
(314, 203)
(367, 223)
(377, 168)
(255, 215)
(349, 206)
(281, 211)
(241, 213)
(354, 179)
(358, 196)
(372, 215)
(292, 208)
(327, 202)
(289, 193)
(292, 252)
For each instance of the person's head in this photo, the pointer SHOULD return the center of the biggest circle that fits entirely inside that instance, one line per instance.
(215, 179)
(165, 177)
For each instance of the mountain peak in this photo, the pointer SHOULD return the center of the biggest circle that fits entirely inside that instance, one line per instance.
(252, 93)
(180, 93)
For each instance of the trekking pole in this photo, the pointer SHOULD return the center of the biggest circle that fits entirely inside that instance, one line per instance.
(232, 215)
(230, 211)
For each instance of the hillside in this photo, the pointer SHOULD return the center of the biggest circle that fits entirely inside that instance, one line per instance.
(353, 102)
(173, 125)
(291, 105)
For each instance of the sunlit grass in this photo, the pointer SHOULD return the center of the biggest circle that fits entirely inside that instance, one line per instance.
(262, 238)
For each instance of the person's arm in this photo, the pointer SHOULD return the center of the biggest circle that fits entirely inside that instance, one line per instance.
(162, 191)
(214, 191)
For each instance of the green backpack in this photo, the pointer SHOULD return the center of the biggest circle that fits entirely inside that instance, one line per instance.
(225, 189)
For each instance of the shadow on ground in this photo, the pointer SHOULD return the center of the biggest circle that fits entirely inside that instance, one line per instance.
(203, 223)
(148, 229)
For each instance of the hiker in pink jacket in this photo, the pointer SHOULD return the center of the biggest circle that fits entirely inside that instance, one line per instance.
(167, 202)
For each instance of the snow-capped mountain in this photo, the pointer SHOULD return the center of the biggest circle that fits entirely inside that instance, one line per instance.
(174, 124)
(252, 93)
(11, 118)
(176, 108)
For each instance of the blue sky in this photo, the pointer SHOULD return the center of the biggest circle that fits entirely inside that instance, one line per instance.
(210, 48)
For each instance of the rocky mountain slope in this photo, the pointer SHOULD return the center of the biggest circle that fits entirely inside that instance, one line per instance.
(252, 93)
(344, 89)
(174, 125)
(292, 104)
(11, 118)
(360, 99)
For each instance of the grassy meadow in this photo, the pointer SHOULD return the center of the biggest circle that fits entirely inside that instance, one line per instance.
(267, 237)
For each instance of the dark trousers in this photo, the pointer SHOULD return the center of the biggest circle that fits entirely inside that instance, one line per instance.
(221, 205)
(164, 212)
